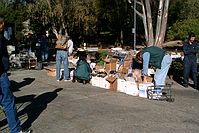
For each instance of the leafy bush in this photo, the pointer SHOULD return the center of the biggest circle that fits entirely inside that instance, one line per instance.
(177, 67)
(181, 29)
(101, 55)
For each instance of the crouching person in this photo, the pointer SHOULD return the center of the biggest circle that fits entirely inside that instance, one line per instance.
(83, 71)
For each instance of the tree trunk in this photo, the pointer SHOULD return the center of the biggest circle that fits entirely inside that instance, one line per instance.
(164, 24)
(149, 23)
(145, 22)
(159, 21)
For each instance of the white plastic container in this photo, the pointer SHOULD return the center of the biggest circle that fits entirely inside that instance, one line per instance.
(143, 89)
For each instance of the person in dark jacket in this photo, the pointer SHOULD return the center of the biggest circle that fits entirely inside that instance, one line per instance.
(6, 96)
(83, 71)
(190, 49)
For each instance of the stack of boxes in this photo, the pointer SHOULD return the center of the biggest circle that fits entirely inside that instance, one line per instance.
(120, 81)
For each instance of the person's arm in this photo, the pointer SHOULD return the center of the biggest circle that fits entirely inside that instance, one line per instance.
(146, 58)
(195, 48)
(55, 32)
(188, 50)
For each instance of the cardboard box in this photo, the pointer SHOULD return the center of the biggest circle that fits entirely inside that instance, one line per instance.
(132, 88)
(103, 83)
(95, 81)
(114, 60)
(127, 63)
(100, 82)
(51, 72)
(113, 82)
(125, 70)
(121, 85)
(110, 66)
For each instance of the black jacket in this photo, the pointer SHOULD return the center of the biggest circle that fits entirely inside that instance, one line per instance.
(4, 59)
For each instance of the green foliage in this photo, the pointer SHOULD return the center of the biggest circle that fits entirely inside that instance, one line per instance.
(176, 69)
(15, 15)
(102, 55)
(181, 29)
(177, 66)
(189, 9)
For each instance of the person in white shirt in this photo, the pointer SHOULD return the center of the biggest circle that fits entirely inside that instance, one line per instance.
(70, 46)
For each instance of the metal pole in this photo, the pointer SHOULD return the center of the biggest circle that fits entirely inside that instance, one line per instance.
(134, 25)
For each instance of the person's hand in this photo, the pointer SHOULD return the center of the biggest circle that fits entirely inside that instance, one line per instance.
(146, 79)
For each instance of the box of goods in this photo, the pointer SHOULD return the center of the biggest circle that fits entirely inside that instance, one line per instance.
(51, 72)
(103, 83)
(121, 85)
(28, 63)
(124, 70)
(148, 79)
(33, 62)
(143, 89)
(110, 66)
(131, 88)
(129, 56)
(127, 63)
(95, 81)
(99, 68)
(114, 60)
(113, 82)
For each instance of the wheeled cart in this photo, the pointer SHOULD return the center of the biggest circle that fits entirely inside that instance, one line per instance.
(160, 92)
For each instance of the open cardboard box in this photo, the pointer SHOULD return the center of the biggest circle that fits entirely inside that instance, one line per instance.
(113, 82)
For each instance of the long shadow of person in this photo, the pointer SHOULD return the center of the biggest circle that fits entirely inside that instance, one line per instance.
(20, 101)
(15, 86)
(38, 105)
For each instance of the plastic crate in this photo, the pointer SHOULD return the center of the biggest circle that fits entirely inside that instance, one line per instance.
(160, 92)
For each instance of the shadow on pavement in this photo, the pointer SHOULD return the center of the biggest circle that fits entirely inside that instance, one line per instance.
(37, 106)
(179, 80)
(23, 100)
(15, 86)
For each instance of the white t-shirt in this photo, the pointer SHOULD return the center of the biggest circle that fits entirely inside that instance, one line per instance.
(70, 46)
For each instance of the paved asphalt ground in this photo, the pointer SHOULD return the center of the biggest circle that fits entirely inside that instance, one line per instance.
(48, 106)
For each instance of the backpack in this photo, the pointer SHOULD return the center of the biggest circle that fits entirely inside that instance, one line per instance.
(61, 43)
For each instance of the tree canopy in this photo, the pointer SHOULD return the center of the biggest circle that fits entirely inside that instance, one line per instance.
(95, 20)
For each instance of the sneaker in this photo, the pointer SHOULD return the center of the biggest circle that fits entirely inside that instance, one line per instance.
(26, 131)
(66, 80)
(58, 80)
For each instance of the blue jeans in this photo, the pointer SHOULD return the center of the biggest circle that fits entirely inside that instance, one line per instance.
(62, 56)
(160, 74)
(44, 55)
(8, 104)
(190, 65)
